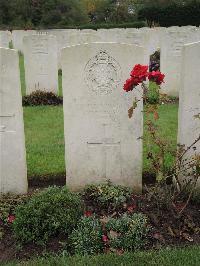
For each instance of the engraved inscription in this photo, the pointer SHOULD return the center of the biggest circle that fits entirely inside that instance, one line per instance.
(7, 123)
(177, 43)
(137, 39)
(40, 46)
(3, 69)
(102, 73)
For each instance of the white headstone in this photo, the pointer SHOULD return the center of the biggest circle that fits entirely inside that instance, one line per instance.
(40, 60)
(62, 36)
(13, 174)
(110, 35)
(102, 143)
(189, 100)
(89, 36)
(172, 41)
(137, 37)
(17, 38)
(5, 38)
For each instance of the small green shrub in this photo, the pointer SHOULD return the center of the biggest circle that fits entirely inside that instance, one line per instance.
(128, 232)
(41, 98)
(55, 210)
(153, 95)
(107, 196)
(86, 239)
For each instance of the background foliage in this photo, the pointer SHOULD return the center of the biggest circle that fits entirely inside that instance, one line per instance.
(63, 13)
(30, 14)
(175, 13)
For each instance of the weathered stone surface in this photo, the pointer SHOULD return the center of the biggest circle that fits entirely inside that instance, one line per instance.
(5, 38)
(189, 100)
(13, 174)
(18, 36)
(172, 41)
(101, 141)
(110, 35)
(40, 59)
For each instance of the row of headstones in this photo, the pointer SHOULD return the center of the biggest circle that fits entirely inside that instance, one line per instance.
(101, 142)
(42, 51)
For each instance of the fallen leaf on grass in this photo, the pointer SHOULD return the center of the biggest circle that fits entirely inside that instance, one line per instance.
(156, 115)
(117, 251)
(187, 237)
(104, 220)
(171, 232)
(113, 234)
(159, 237)
(113, 214)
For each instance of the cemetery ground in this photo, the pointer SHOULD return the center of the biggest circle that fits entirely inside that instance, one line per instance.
(166, 228)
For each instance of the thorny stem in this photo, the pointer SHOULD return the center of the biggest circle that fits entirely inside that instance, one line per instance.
(189, 147)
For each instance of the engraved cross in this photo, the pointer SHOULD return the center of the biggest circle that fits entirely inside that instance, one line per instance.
(105, 144)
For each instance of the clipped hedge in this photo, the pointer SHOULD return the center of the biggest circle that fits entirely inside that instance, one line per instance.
(134, 24)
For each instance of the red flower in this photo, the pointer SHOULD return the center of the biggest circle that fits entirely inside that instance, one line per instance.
(11, 218)
(140, 73)
(157, 77)
(128, 86)
(104, 238)
(88, 214)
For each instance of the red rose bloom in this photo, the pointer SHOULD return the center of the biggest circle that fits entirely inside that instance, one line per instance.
(128, 86)
(88, 214)
(11, 218)
(157, 77)
(140, 73)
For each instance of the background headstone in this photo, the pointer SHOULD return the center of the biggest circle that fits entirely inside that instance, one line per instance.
(189, 101)
(5, 38)
(13, 174)
(172, 41)
(102, 143)
(40, 60)
(18, 36)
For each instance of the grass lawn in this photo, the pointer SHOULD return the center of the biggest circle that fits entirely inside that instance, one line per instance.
(44, 140)
(167, 128)
(166, 257)
(45, 135)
